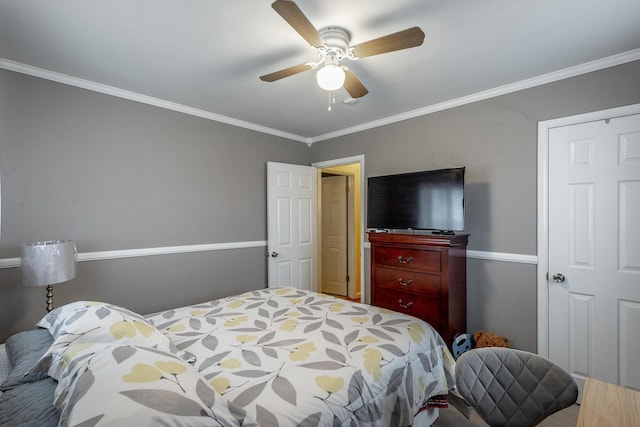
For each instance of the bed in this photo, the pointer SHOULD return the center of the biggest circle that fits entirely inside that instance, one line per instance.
(270, 357)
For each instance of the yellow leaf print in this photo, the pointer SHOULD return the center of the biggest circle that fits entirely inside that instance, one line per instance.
(236, 321)
(421, 386)
(330, 384)
(244, 338)
(298, 356)
(369, 339)
(293, 314)
(360, 320)
(336, 307)
(372, 359)
(122, 329)
(289, 325)
(282, 291)
(236, 303)
(295, 301)
(144, 328)
(74, 349)
(220, 384)
(197, 312)
(416, 332)
(230, 364)
(171, 367)
(177, 328)
(142, 373)
(308, 346)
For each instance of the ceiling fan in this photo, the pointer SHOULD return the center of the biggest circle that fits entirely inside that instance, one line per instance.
(332, 46)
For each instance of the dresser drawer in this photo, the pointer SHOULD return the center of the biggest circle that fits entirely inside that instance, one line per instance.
(408, 281)
(413, 304)
(428, 260)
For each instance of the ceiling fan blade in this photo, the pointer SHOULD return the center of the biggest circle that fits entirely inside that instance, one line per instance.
(410, 37)
(291, 13)
(353, 85)
(286, 72)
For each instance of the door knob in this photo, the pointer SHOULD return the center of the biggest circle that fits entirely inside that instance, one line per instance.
(558, 278)
(274, 254)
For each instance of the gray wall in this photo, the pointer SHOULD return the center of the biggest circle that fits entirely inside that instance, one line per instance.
(113, 174)
(496, 139)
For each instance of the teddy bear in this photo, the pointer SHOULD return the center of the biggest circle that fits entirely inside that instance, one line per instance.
(489, 339)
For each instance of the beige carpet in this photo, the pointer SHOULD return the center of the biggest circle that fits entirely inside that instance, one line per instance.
(452, 418)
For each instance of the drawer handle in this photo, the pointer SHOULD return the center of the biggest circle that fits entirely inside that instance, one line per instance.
(407, 305)
(404, 261)
(403, 283)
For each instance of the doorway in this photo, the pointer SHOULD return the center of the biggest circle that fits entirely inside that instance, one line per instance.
(351, 169)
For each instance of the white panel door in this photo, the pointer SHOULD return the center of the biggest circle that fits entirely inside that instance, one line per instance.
(292, 244)
(334, 235)
(594, 250)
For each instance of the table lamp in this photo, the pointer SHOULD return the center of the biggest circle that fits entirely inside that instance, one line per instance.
(47, 263)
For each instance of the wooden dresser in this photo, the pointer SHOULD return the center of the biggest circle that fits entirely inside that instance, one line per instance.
(424, 275)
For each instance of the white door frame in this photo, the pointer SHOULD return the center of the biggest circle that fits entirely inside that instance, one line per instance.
(543, 208)
(346, 161)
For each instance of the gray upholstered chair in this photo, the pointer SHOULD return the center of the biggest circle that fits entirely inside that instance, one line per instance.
(510, 387)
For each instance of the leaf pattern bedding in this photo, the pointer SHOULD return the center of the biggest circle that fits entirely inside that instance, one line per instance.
(291, 357)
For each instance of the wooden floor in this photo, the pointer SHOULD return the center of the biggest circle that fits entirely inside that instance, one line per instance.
(452, 418)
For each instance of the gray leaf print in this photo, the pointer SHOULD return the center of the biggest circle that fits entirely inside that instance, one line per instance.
(267, 337)
(210, 342)
(120, 354)
(393, 349)
(328, 336)
(90, 422)
(270, 352)
(327, 365)
(210, 361)
(195, 324)
(335, 324)
(336, 355)
(264, 417)
(206, 394)
(164, 401)
(312, 420)
(252, 373)
(394, 381)
(380, 334)
(249, 395)
(251, 357)
(102, 312)
(351, 337)
(312, 327)
(355, 386)
(283, 388)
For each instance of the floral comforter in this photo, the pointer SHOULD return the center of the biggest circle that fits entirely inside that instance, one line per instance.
(290, 357)
(271, 357)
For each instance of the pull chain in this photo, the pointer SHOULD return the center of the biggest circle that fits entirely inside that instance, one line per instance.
(332, 99)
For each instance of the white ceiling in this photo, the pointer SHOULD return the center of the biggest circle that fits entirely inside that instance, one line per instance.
(205, 56)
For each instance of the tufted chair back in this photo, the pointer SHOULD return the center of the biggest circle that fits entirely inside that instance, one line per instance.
(509, 387)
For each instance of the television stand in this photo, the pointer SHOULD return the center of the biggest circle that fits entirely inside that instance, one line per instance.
(423, 275)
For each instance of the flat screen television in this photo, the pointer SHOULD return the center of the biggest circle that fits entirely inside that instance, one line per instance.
(428, 200)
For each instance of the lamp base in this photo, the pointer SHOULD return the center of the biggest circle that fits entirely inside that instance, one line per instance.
(49, 298)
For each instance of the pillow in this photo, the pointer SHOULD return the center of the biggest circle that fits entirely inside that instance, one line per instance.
(86, 322)
(24, 349)
(132, 385)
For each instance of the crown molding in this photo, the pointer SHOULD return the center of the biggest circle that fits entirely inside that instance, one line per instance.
(144, 99)
(577, 70)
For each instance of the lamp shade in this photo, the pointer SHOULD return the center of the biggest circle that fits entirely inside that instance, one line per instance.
(49, 262)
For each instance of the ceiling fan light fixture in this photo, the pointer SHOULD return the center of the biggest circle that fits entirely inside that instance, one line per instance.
(330, 77)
